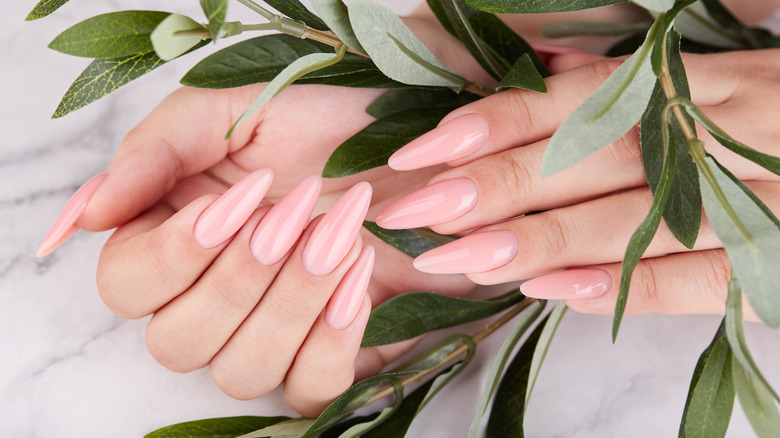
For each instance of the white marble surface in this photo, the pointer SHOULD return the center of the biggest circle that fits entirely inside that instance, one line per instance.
(69, 368)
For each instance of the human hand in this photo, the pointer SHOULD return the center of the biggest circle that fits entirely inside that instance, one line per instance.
(495, 147)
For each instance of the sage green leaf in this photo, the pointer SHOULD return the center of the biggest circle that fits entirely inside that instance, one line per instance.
(44, 8)
(537, 6)
(287, 76)
(749, 194)
(754, 263)
(292, 428)
(607, 114)
(396, 101)
(410, 242)
(711, 394)
(696, 24)
(582, 28)
(216, 11)
(523, 75)
(395, 49)
(412, 314)
(176, 35)
(756, 401)
(399, 423)
(506, 417)
(335, 14)
(753, 37)
(683, 208)
(297, 11)
(260, 59)
(373, 145)
(735, 333)
(543, 345)
(655, 5)
(229, 427)
(658, 49)
(111, 35)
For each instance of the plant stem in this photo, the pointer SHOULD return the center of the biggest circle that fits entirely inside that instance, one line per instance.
(268, 15)
(459, 351)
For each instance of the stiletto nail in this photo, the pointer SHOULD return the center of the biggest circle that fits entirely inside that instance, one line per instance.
(455, 139)
(228, 213)
(346, 300)
(65, 225)
(282, 225)
(336, 232)
(432, 205)
(573, 284)
(477, 252)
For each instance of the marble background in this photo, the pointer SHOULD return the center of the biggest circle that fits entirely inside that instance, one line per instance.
(69, 368)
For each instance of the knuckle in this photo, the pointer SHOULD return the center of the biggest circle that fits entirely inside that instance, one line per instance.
(601, 70)
(625, 152)
(167, 352)
(518, 108)
(233, 291)
(645, 283)
(553, 236)
(514, 180)
(719, 273)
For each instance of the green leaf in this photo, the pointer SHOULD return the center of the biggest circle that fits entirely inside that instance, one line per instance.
(44, 8)
(492, 385)
(756, 401)
(260, 59)
(336, 16)
(176, 35)
(412, 314)
(668, 20)
(292, 428)
(750, 194)
(410, 242)
(696, 24)
(753, 37)
(111, 35)
(607, 114)
(683, 209)
(399, 423)
(229, 427)
(537, 6)
(297, 11)
(396, 101)
(295, 70)
(543, 345)
(395, 49)
(216, 11)
(711, 394)
(523, 75)
(755, 264)
(656, 5)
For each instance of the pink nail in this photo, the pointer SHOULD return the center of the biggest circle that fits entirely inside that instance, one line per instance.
(477, 252)
(573, 284)
(282, 226)
(228, 213)
(432, 205)
(336, 232)
(65, 225)
(346, 300)
(455, 139)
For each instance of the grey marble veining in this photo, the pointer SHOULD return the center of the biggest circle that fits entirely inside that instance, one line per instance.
(70, 368)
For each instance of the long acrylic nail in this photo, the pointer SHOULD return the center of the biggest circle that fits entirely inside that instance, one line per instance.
(282, 225)
(455, 139)
(432, 205)
(573, 284)
(228, 213)
(65, 225)
(477, 252)
(334, 235)
(346, 300)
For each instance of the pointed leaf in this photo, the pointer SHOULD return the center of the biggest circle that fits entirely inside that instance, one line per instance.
(336, 16)
(412, 314)
(173, 36)
(111, 35)
(756, 401)
(711, 394)
(395, 49)
(396, 101)
(523, 75)
(696, 24)
(655, 5)
(291, 428)
(399, 423)
(216, 11)
(44, 8)
(229, 427)
(297, 11)
(260, 59)
(543, 345)
(409, 242)
(537, 6)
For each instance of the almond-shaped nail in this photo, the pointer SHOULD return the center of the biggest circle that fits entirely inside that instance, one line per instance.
(455, 139)
(230, 211)
(477, 252)
(334, 235)
(65, 225)
(346, 300)
(282, 225)
(432, 205)
(572, 284)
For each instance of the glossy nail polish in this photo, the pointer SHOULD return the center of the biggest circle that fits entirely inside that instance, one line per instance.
(477, 252)
(282, 225)
(230, 211)
(572, 284)
(336, 232)
(455, 139)
(346, 300)
(432, 205)
(65, 225)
